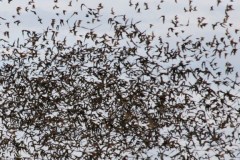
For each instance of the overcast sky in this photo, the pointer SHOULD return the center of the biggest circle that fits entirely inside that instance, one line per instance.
(169, 8)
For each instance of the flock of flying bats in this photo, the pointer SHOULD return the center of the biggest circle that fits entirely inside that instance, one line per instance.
(118, 95)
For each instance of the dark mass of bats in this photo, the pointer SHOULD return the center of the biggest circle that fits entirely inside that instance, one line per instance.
(99, 97)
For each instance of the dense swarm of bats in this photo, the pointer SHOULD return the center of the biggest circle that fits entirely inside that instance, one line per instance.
(128, 94)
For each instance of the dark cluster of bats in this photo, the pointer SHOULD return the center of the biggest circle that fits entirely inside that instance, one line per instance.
(130, 94)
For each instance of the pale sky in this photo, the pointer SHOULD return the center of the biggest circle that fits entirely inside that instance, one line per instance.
(169, 8)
